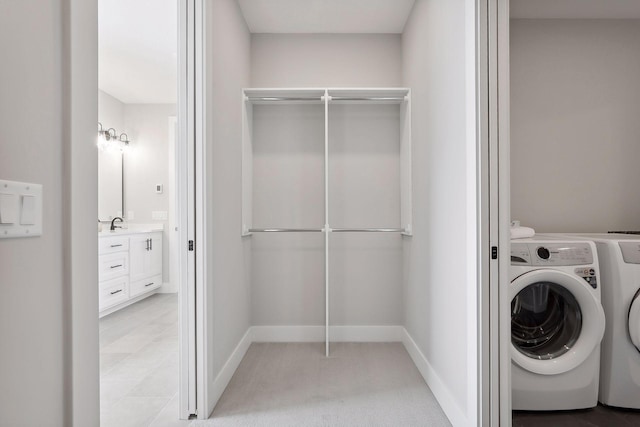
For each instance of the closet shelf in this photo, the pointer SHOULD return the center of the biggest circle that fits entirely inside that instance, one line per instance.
(283, 99)
(373, 99)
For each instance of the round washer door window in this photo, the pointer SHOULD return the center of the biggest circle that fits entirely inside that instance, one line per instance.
(546, 321)
(557, 321)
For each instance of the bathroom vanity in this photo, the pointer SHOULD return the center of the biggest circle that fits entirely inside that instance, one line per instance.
(129, 266)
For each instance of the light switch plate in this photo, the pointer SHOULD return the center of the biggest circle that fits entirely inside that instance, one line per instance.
(21, 205)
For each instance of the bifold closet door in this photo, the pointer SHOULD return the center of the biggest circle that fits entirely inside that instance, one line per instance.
(364, 192)
(288, 284)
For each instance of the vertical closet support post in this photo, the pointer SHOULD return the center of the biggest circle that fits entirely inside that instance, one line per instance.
(327, 228)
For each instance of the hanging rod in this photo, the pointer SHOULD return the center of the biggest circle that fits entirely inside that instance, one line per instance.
(368, 230)
(282, 98)
(285, 230)
(368, 98)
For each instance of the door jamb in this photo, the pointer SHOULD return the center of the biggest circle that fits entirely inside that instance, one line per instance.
(493, 76)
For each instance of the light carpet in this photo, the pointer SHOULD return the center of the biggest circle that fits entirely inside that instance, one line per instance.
(294, 384)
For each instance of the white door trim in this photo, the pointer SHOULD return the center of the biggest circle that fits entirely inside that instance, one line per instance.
(501, 201)
(185, 211)
(200, 205)
(495, 328)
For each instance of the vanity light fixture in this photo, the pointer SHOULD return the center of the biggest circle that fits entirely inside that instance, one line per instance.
(109, 139)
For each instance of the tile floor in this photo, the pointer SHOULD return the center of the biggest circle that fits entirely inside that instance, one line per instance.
(139, 364)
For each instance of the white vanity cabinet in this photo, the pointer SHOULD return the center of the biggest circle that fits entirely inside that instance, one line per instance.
(145, 254)
(113, 271)
(130, 268)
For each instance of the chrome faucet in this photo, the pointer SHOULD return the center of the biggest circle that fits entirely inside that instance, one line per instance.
(113, 225)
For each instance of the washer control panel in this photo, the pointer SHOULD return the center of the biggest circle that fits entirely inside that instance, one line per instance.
(551, 254)
(630, 252)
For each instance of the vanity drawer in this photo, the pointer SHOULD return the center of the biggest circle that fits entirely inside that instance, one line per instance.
(113, 265)
(109, 245)
(113, 292)
(146, 285)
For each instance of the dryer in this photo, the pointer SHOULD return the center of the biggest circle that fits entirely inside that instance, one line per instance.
(619, 256)
(557, 323)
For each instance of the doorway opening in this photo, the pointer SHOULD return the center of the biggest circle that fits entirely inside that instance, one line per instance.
(147, 361)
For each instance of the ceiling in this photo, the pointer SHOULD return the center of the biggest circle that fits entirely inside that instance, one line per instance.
(575, 9)
(138, 38)
(326, 16)
(137, 50)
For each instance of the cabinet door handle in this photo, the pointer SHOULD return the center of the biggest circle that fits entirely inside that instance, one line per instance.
(147, 244)
(116, 266)
(116, 246)
(115, 292)
(151, 244)
(148, 284)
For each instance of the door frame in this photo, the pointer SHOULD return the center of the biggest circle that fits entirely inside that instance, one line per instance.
(495, 213)
(80, 67)
(191, 209)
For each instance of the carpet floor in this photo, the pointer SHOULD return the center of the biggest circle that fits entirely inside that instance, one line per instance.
(294, 384)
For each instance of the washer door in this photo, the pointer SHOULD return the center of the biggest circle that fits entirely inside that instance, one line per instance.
(556, 321)
(634, 320)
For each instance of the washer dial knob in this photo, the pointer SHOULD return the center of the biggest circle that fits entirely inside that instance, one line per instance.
(543, 252)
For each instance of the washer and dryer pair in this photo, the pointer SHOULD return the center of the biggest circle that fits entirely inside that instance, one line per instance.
(556, 333)
(557, 323)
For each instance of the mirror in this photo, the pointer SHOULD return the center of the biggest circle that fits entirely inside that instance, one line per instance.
(110, 184)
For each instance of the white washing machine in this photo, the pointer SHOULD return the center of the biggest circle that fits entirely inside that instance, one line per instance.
(557, 323)
(619, 256)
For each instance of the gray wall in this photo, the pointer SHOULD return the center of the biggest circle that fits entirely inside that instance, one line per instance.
(48, 327)
(33, 301)
(325, 60)
(439, 275)
(288, 187)
(228, 256)
(575, 133)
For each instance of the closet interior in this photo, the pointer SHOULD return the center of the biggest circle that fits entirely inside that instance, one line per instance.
(328, 161)
(338, 161)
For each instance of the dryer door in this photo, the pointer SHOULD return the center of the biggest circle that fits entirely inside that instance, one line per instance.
(556, 321)
(634, 320)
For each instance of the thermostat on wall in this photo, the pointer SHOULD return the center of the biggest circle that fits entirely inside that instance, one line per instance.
(159, 188)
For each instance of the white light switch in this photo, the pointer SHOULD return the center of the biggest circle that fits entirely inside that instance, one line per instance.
(20, 209)
(28, 210)
(8, 208)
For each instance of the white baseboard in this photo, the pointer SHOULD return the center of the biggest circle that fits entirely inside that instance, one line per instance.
(229, 368)
(448, 403)
(336, 333)
(167, 288)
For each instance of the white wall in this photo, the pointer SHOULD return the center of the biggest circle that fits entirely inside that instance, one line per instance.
(439, 259)
(228, 256)
(575, 134)
(49, 337)
(325, 60)
(288, 188)
(110, 115)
